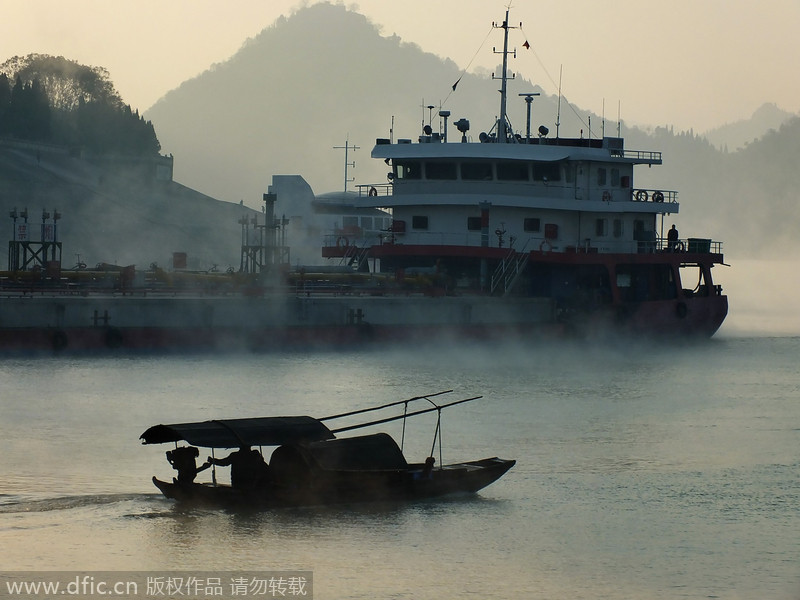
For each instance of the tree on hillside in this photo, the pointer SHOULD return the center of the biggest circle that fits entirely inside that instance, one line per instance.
(65, 81)
(103, 128)
(5, 99)
(27, 114)
(61, 101)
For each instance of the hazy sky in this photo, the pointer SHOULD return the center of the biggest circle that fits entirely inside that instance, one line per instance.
(689, 63)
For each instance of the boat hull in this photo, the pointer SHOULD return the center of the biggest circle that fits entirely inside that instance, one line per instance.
(54, 323)
(347, 487)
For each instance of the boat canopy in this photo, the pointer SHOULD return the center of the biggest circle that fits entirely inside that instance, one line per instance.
(365, 452)
(234, 433)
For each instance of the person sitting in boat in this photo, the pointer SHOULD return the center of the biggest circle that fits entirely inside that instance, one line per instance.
(427, 469)
(183, 461)
(672, 239)
(249, 470)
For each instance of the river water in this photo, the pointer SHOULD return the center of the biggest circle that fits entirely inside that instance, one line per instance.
(643, 472)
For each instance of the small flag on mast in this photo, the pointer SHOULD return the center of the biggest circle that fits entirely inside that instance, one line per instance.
(526, 45)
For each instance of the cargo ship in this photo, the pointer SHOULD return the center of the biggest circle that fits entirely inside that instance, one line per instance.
(510, 236)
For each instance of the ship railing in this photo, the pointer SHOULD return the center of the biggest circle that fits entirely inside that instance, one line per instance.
(683, 245)
(374, 189)
(654, 195)
(354, 237)
(640, 156)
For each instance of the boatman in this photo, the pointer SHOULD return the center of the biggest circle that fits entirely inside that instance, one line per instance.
(249, 470)
(672, 239)
(183, 461)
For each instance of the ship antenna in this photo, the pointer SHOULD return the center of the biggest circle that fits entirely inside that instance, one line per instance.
(603, 121)
(558, 113)
(619, 119)
(347, 147)
(503, 126)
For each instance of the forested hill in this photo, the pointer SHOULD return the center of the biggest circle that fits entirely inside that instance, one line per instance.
(325, 74)
(745, 198)
(55, 100)
(69, 144)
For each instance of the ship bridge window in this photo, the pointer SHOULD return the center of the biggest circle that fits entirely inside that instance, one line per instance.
(513, 171)
(419, 222)
(476, 171)
(407, 169)
(601, 227)
(601, 176)
(532, 224)
(615, 177)
(546, 172)
(440, 170)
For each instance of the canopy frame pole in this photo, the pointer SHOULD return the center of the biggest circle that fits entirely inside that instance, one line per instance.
(397, 403)
(403, 434)
(437, 433)
(396, 417)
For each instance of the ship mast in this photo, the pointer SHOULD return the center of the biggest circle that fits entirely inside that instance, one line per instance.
(503, 127)
(347, 147)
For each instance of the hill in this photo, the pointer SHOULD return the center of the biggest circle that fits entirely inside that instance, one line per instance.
(737, 135)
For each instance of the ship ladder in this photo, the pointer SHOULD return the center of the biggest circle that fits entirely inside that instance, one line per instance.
(355, 255)
(508, 271)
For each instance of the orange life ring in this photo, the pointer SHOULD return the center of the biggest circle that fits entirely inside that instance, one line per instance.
(606, 196)
(658, 196)
(373, 191)
(342, 242)
(642, 196)
(543, 244)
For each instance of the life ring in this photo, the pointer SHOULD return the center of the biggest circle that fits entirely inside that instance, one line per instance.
(342, 242)
(545, 246)
(606, 196)
(681, 310)
(642, 196)
(658, 196)
(373, 191)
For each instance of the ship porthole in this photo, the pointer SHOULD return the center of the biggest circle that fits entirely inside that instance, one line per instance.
(59, 340)
(681, 310)
(113, 338)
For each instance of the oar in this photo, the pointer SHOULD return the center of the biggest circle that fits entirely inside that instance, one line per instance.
(363, 410)
(403, 416)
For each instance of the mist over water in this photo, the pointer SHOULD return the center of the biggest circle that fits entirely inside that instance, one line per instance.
(655, 471)
(762, 297)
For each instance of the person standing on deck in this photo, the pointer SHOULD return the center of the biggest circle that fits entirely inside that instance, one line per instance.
(672, 239)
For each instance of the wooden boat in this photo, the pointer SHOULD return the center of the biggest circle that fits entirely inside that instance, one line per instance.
(311, 466)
